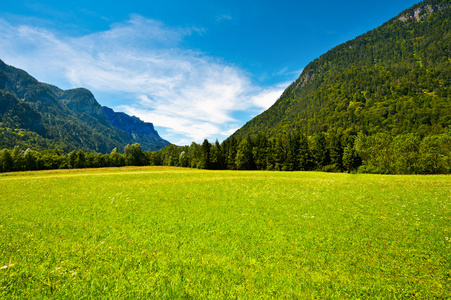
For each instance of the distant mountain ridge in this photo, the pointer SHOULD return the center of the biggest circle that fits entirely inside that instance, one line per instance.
(395, 78)
(136, 130)
(42, 116)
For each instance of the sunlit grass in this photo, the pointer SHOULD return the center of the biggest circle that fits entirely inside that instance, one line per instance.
(183, 233)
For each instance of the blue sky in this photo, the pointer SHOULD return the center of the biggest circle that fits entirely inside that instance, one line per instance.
(195, 69)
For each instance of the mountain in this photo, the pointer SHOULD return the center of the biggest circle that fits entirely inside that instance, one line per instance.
(42, 116)
(19, 123)
(395, 79)
(136, 130)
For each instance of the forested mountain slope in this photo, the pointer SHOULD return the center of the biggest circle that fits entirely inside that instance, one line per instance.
(58, 126)
(395, 78)
(41, 116)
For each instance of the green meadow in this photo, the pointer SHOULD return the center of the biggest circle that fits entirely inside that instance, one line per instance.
(171, 233)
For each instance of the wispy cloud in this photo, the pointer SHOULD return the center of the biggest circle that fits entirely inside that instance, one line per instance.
(286, 72)
(267, 96)
(192, 95)
(223, 17)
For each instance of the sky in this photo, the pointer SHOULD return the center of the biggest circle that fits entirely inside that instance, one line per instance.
(197, 69)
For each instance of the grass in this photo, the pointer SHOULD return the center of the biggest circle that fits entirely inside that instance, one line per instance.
(168, 233)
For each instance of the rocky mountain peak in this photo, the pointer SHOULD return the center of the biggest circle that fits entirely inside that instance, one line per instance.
(81, 100)
(421, 12)
(136, 130)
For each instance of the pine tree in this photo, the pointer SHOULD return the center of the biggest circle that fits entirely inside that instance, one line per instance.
(205, 160)
(217, 159)
(280, 148)
(320, 151)
(232, 151)
(292, 159)
(244, 157)
(304, 157)
(336, 151)
(260, 151)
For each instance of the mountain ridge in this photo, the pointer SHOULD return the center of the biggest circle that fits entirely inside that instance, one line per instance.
(42, 116)
(137, 130)
(383, 79)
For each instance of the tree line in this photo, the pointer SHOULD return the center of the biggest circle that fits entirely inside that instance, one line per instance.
(380, 153)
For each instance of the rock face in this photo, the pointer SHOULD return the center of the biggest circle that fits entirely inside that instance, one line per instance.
(421, 12)
(136, 130)
(81, 100)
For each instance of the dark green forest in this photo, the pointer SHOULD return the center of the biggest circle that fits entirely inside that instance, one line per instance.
(332, 152)
(394, 79)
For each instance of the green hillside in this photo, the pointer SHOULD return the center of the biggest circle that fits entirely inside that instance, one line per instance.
(20, 124)
(41, 116)
(395, 79)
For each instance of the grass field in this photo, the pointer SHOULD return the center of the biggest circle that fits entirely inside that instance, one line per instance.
(168, 233)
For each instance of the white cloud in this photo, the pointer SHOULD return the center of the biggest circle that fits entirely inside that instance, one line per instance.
(282, 71)
(192, 95)
(268, 96)
(223, 17)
